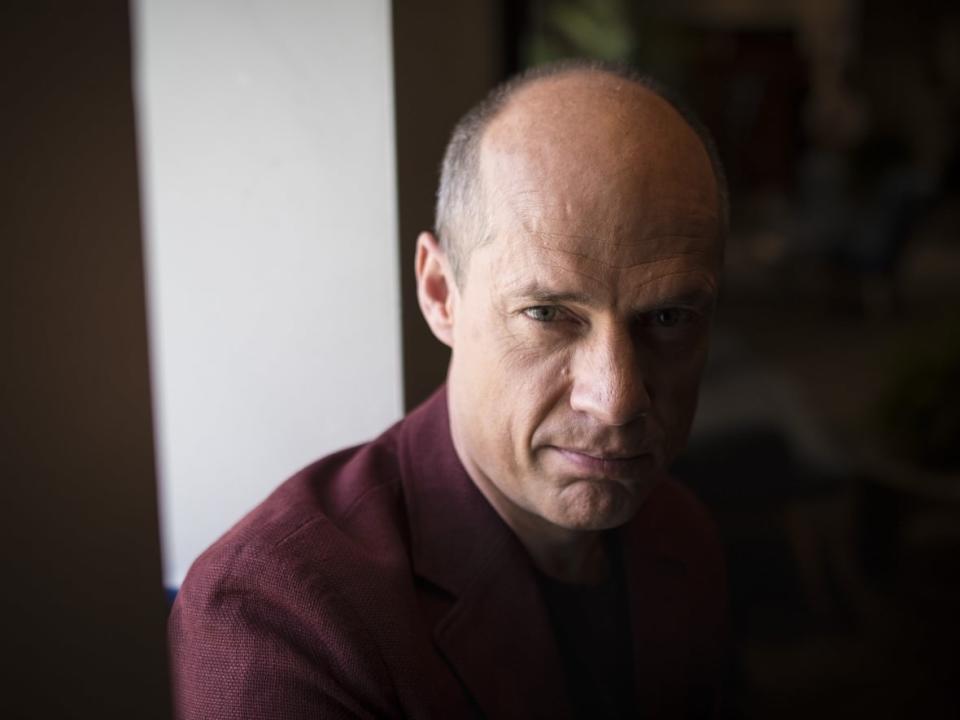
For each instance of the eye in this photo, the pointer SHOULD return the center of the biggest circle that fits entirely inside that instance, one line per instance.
(543, 313)
(672, 322)
(671, 317)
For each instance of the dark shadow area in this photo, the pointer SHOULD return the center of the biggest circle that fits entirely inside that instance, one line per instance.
(83, 615)
(828, 438)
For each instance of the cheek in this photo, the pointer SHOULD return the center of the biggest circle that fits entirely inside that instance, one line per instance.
(527, 357)
(534, 376)
(512, 376)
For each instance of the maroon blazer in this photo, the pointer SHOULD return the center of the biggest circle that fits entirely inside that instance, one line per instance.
(379, 583)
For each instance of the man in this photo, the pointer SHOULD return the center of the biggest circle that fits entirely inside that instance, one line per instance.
(512, 548)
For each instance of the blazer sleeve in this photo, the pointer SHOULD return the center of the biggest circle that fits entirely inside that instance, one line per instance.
(255, 637)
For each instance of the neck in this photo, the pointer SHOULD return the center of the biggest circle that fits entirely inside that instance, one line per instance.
(575, 556)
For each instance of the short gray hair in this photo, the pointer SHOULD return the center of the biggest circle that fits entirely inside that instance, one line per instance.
(461, 215)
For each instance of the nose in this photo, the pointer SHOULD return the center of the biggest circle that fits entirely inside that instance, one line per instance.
(608, 383)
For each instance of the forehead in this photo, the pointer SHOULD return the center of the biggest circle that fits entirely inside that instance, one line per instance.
(631, 278)
(595, 176)
(592, 130)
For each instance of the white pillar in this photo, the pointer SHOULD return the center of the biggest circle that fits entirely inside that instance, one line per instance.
(268, 180)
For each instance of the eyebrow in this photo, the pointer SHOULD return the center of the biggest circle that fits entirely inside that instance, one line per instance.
(698, 298)
(695, 298)
(547, 296)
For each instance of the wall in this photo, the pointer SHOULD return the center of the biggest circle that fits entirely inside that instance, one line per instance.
(82, 614)
(267, 142)
(447, 56)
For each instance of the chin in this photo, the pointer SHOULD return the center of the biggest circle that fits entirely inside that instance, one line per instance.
(593, 505)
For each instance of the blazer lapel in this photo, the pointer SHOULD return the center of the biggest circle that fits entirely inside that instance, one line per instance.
(499, 641)
(495, 634)
(662, 619)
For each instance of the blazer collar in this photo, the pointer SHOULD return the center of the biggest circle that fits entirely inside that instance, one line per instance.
(453, 530)
(496, 634)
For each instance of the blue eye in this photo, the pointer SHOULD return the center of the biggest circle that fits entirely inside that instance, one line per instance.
(542, 313)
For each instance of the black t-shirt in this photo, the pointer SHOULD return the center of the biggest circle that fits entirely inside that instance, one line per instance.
(592, 627)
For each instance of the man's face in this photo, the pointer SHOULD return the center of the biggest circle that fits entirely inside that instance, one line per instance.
(580, 331)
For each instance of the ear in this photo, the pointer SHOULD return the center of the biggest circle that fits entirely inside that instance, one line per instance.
(436, 289)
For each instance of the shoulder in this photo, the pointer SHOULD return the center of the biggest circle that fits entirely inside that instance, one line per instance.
(316, 521)
(673, 523)
(285, 597)
(323, 499)
(680, 519)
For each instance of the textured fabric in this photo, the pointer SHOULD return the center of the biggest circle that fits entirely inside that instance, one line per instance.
(379, 583)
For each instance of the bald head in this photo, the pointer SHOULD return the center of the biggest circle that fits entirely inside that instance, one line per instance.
(564, 131)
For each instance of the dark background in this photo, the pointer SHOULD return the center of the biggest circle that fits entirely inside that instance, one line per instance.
(82, 611)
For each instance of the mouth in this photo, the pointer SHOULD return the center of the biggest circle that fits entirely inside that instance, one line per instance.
(614, 465)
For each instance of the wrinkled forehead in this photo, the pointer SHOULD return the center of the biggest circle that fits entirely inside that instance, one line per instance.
(597, 163)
